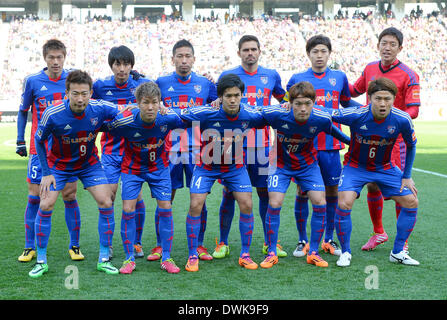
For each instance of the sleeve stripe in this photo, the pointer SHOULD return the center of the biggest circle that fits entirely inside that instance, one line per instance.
(46, 115)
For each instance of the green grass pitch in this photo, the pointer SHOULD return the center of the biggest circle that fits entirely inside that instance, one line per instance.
(370, 277)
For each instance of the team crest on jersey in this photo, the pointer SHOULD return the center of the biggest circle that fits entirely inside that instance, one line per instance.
(164, 128)
(264, 80)
(132, 90)
(312, 129)
(94, 121)
(391, 129)
(244, 124)
(197, 88)
(333, 81)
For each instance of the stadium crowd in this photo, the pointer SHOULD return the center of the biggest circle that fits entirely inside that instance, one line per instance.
(354, 45)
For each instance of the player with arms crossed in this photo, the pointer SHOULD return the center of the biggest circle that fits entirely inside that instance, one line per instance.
(223, 132)
(332, 90)
(374, 132)
(260, 85)
(145, 160)
(73, 126)
(120, 89)
(407, 99)
(41, 90)
(297, 158)
(182, 89)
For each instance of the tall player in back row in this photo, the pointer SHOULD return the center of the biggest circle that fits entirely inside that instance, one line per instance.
(41, 90)
(407, 100)
(183, 89)
(260, 85)
(120, 90)
(332, 90)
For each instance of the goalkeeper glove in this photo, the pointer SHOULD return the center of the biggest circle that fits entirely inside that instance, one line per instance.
(21, 149)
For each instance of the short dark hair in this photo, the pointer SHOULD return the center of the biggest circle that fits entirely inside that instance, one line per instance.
(78, 77)
(121, 53)
(53, 44)
(229, 81)
(181, 44)
(391, 31)
(304, 89)
(382, 84)
(147, 90)
(248, 38)
(316, 40)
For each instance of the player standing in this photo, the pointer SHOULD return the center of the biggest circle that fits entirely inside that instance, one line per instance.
(73, 126)
(260, 85)
(120, 90)
(407, 99)
(332, 89)
(297, 158)
(41, 90)
(374, 131)
(145, 160)
(182, 89)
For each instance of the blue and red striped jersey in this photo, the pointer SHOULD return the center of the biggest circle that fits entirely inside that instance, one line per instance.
(260, 86)
(40, 92)
(179, 92)
(223, 134)
(294, 140)
(372, 141)
(332, 89)
(73, 136)
(144, 143)
(107, 89)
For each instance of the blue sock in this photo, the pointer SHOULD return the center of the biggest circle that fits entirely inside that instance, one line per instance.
(73, 221)
(226, 214)
(30, 218)
(203, 219)
(140, 216)
(317, 225)
(42, 231)
(128, 233)
(263, 205)
(343, 227)
(166, 228)
(272, 220)
(301, 215)
(157, 225)
(103, 253)
(405, 224)
(331, 205)
(246, 224)
(192, 233)
(106, 226)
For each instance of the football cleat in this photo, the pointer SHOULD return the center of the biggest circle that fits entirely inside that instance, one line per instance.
(128, 267)
(246, 262)
(404, 258)
(222, 250)
(315, 259)
(375, 240)
(203, 253)
(331, 247)
(344, 260)
(170, 266)
(27, 255)
(107, 267)
(38, 270)
(270, 260)
(302, 249)
(75, 254)
(279, 251)
(193, 264)
(138, 250)
(155, 254)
